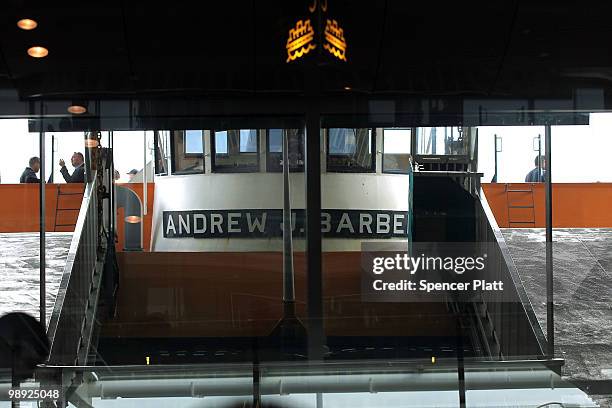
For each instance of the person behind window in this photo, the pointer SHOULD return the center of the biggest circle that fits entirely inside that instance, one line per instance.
(29, 174)
(78, 176)
(131, 174)
(538, 174)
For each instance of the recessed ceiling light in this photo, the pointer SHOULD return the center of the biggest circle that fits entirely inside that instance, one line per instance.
(27, 24)
(347, 88)
(77, 109)
(38, 52)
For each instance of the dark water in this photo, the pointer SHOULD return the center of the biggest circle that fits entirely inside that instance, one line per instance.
(582, 270)
(20, 273)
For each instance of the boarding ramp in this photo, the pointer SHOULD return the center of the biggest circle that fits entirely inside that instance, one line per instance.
(449, 206)
(509, 324)
(74, 320)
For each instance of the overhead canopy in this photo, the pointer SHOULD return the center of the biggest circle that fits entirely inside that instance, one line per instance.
(403, 59)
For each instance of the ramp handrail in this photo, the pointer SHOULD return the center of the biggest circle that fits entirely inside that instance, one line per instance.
(70, 325)
(517, 335)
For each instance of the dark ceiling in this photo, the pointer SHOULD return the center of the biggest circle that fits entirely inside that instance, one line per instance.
(236, 49)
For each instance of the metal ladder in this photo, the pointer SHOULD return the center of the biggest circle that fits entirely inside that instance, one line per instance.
(60, 206)
(511, 196)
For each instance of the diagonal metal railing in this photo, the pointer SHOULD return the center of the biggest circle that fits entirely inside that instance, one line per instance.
(73, 323)
(513, 323)
(502, 324)
(72, 320)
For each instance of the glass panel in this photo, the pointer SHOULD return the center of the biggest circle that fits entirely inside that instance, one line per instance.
(516, 158)
(186, 300)
(360, 207)
(187, 152)
(275, 149)
(581, 240)
(186, 309)
(20, 173)
(236, 150)
(128, 155)
(350, 150)
(275, 140)
(581, 154)
(221, 143)
(441, 141)
(216, 241)
(194, 143)
(396, 150)
(248, 141)
(342, 141)
(64, 145)
(162, 151)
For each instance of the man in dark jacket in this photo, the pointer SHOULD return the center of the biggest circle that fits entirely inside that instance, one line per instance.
(78, 176)
(538, 174)
(29, 174)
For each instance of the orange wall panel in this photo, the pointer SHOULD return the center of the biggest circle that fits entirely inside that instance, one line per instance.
(575, 205)
(19, 211)
(20, 206)
(192, 294)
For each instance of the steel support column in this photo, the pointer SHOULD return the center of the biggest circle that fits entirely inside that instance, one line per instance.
(313, 223)
(42, 231)
(550, 321)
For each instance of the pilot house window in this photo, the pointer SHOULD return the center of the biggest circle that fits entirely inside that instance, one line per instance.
(162, 151)
(236, 150)
(187, 151)
(396, 150)
(275, 149)
(194, 143)
(448, 140)
(350, 150)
